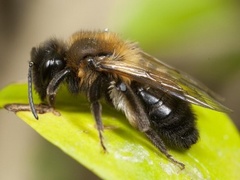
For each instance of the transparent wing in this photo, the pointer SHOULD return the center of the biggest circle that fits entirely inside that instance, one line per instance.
(151, 71)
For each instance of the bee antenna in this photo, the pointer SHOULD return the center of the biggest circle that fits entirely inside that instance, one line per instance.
(30, 96)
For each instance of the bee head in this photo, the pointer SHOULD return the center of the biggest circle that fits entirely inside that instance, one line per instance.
(47, 60)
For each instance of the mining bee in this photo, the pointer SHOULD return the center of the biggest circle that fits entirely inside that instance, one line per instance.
(155, 98)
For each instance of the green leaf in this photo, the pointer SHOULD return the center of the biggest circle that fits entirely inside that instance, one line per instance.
(130, 155)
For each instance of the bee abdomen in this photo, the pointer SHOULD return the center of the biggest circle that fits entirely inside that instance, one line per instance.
(171, 118)
(178, 130)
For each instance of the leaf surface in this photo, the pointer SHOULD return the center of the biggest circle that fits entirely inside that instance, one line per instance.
(129, 153)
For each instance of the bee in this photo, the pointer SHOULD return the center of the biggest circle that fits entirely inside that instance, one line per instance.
(155, 97)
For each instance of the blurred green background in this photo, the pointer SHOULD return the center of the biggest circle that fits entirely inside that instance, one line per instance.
(201, 38)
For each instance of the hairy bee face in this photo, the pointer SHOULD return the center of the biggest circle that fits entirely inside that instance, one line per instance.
(155, 97)
(48, 59)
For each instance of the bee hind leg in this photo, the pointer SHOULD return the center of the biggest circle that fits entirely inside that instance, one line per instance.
(157, 141)
(144, 125)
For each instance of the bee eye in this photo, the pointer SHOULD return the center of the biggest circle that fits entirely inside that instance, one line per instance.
(49, 68)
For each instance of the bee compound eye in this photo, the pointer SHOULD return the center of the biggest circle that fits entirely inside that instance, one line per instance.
(50, 68)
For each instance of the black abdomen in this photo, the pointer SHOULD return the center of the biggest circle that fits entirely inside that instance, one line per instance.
(171, 117)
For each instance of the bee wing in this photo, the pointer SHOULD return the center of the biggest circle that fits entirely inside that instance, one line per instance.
(151, 71)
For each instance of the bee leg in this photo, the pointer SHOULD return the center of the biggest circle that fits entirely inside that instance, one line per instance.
(157, 141)
(96, 108)
(96, 111)
(143, 124)
(54, 84)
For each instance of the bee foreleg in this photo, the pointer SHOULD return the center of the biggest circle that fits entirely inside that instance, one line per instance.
(54, 85)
